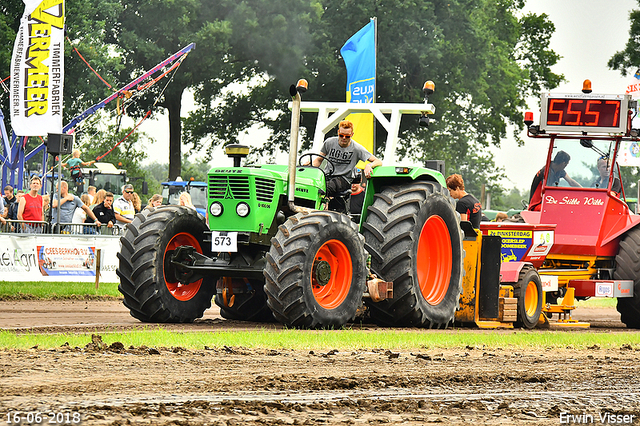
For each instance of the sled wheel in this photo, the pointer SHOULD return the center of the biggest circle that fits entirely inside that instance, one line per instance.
(528, 291)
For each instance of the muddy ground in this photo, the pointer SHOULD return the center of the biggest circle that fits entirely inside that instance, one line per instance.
(99, 385)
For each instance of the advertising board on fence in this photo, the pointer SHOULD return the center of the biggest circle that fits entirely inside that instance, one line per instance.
(57, 258)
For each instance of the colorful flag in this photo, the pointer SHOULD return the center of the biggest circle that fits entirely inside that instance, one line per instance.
(37, 69)
(359, 54)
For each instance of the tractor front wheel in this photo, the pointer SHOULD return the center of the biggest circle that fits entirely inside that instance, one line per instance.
(316, 270)
(628, 268)
(148, 280)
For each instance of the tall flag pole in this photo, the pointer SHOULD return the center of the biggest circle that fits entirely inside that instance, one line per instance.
(37, 69)
(359, 54)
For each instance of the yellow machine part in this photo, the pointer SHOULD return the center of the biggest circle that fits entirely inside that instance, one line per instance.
(468, 311)
(567, 268)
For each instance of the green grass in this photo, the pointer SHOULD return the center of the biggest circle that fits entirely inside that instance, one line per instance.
(600, 302)
(334, 339)
(57, 290)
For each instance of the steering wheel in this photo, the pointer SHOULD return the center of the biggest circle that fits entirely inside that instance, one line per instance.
(327, 172)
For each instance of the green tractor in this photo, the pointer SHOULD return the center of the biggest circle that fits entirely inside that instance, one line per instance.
(271, 250)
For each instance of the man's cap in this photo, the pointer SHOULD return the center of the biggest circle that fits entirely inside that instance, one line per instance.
(128, 187)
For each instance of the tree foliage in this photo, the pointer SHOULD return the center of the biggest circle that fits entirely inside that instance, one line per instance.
(235, 41)
(484, 55)
(629, 58)
(484, 59)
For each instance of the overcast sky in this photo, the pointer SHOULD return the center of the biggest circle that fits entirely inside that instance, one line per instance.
(588, 33)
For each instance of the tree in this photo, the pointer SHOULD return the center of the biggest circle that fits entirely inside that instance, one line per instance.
(236, 40)
(127, 155)
(484, 60)
(623, 61)
(629, 57)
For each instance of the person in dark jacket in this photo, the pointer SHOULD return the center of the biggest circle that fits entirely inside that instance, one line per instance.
(104, 211)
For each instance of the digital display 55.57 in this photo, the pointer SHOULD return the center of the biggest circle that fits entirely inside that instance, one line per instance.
(588, 113)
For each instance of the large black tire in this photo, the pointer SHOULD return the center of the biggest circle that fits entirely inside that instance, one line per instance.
(147, 280)
(249, 300)
(413, 235)
(528, 291)
(316, 270)
(628, 268)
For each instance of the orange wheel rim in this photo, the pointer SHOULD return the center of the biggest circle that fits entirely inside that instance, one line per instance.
(331, 274)
(531, 298)
(180, 291)
(434, 260)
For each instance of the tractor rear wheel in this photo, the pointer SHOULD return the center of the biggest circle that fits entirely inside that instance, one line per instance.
(242, 299)
(413, 235)
(316, 270)
(528, 291)
(148, 280)
(628, 268)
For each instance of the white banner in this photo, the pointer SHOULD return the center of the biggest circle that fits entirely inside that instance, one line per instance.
(37, 69)
(629, 154)
(57, 258)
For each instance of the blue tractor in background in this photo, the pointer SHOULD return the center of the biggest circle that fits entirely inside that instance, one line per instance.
(198, 190)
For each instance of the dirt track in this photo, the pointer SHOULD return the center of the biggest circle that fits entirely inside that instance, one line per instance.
(237, 386)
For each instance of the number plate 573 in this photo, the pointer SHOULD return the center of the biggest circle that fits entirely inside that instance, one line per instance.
(224, 241)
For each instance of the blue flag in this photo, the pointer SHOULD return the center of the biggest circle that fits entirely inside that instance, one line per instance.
(359, 54)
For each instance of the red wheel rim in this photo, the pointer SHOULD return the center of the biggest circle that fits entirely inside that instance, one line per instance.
(330, 293)
(180, 291)
(434, 260)
(531, 298)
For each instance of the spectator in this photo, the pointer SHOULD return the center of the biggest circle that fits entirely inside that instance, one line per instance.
(8, 199)
(31, 207)
(12, 211)
(91, 192)
(2, 209)
(67, 206)
(357, 198)
(155, 201)
(74, 166)
(468, 206)
(80, 217)
(104, 211)
(501, 217)
(137, 202)
(185, 200)
(99, 197)
(123, 207)
(46, 198)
